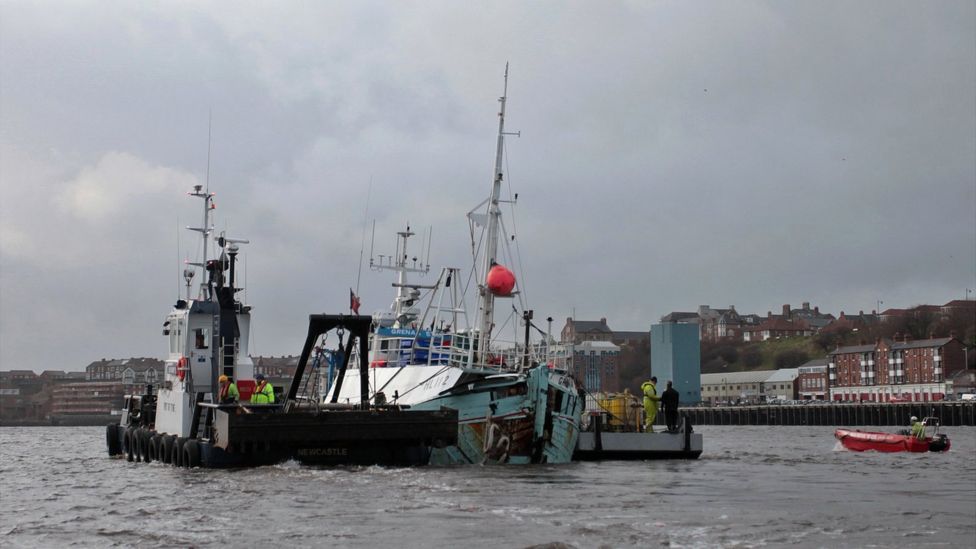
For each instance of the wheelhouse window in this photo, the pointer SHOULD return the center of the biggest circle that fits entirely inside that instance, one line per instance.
(201, 338)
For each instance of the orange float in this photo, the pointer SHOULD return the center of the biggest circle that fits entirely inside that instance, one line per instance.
(500, 281)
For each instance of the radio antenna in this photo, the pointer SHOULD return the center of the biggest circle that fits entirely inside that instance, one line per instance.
(209, 141)
(362, 246)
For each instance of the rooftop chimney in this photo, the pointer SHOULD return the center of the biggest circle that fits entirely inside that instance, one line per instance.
(786, 310)
(806, 305)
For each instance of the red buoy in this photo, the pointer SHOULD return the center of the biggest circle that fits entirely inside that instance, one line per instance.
(500, 281)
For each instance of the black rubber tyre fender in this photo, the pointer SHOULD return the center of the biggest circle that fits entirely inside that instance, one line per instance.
(129, 444)
(191, 453)
(142, 444)
(177, 460)
(154, 453)
(112, 439)
(165, 448)
(137, 444)
(147, 455)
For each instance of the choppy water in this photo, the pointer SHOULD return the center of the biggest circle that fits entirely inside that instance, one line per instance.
(753, 487)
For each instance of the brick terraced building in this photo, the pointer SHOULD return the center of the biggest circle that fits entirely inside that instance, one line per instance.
(898, 371)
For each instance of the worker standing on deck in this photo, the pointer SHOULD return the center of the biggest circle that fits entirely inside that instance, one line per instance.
(649, 388)
(669, 401)
(228, 393)
(264, 392)
(918, 428)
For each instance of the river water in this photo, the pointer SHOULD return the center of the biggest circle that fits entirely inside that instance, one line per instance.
(752, 487)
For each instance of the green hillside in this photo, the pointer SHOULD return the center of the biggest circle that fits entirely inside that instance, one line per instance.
(764, 355)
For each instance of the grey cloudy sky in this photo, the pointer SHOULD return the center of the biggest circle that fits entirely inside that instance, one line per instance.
(672, 154)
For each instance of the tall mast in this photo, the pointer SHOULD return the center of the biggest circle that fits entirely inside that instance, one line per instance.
(487, 300)
(406, 292)
(205, 233)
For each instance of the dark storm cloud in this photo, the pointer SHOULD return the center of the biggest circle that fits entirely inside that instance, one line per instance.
(671, 155)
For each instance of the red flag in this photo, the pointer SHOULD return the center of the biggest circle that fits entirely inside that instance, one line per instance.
(353, 301)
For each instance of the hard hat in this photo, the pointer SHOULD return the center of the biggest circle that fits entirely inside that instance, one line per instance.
(914, 418)
(259, 377)
(222, 379)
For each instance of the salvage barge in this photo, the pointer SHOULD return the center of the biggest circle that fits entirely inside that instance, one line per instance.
(183, 424)
(598, 443)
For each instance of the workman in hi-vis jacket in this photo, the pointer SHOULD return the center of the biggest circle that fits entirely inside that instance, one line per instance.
(264, 392)
(649, 388)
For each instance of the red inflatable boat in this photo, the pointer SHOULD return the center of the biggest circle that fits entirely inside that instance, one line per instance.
(860, 441)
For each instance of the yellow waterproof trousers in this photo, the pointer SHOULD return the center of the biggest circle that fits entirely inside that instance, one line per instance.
(650, 412)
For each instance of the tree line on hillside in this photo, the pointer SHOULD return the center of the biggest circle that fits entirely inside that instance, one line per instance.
(920, 324)
(731, 356)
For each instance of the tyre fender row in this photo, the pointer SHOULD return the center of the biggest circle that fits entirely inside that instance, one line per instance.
(143, 445)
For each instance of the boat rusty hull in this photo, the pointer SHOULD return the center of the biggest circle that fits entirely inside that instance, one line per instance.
(329, 437)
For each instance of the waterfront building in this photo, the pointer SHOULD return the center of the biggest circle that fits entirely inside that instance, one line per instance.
(781, 385)
(812, 380)
(88, 398)
(896, 371)
(595, 365)
(676, 356)
(734, 387)
(21, 396)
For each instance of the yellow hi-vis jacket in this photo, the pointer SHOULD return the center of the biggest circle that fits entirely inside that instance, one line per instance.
(650, 395)
(263, 394)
